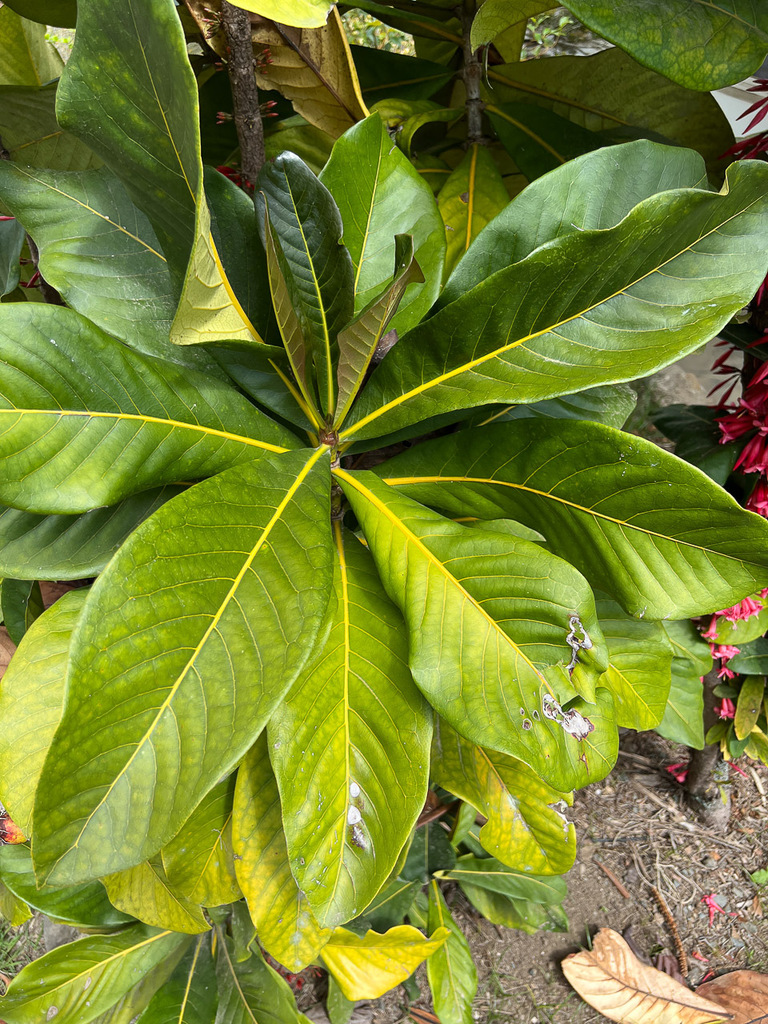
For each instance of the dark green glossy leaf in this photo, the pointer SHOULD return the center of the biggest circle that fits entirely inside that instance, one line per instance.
(317, 268)
(488, 617)
(697, 438)
(71, 547)
(264, 373)
(83, 905)
(639, 666)
(752, 659)
(31, 699)
(683, 719)
(199, 860)
(350, 747)
(141, 116)
(62, 13)
(252, 991)
(430, 851)
(451, 972)
(284, 921)
(20, 603)
(380, 195)
(384, 73)
(190, 995)
(703, 44)
(672, 273)
(611, 405)
(515, 913)
(75, 403)
(11, 243)
(390, 906)
(537, 139)
(31, 134)
(89, 976)
(566, 200)
(645, 526)
(184, 686)
(489, 873)
(524, 829)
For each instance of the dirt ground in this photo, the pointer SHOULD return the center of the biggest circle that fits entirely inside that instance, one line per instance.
(636, 825)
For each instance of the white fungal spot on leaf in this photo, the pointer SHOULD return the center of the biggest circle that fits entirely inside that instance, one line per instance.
(572, 721)
(354, 816)
(354, 790)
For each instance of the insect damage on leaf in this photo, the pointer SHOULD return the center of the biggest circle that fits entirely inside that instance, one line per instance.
(572, 721)
(576, 645)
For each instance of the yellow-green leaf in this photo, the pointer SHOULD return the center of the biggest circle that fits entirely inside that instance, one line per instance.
(145, 893)
(302, 13)
(748, 706)
(471, 197)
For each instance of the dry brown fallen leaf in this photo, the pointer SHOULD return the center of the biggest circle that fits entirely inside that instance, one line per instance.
(613, 981)
(744, 993)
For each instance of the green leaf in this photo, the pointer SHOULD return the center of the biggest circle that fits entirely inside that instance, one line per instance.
(694, 430)
(742, 630)
(566, 200)
(71, 547)
(12, 909)
(31, 699)
(639, 667)
(380, 195)
(252, 991)
(148, 422)
(537, 139)
(350, 747)
(338, 1007)
(11, 243)
(386, 74)
(611, 92)
(611, 405)
(61, 13)
(199, 860)
(83, 905)
(141, 116)
(748, 706)
(359, 339)
(89, 976)
(145, 893)
(514, 913)
(498, 16)
(649, 529)
(391, 904)
(524, 829)
(672, 273)
(704, 44)
(434, 115)
(489, 873)
(316, 266)
(192, 720)
(302, 13)
(468, 600)
(471, 197)
(683, 720)
(98, 250)
(286, 926)
(189, 996)
(451, 971)
(429, 850)
(365, 967)
(20, 603)
(752, 660)
(26, 58)
(32, 135)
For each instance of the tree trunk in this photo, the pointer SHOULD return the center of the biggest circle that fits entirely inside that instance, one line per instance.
(710, 801)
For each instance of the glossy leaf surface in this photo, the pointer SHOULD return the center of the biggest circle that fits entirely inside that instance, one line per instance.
(71, 547)
(752, 659)
(655, 532)
(610, 404)
(145, 893)
(190, 995)
(472, 641)
(380, 195)
(488, 873)
(691, 659)
(284, 921)
(671, 271)
(31, 699)
(350, 747)
(114, 964)
(451, 972)
(27, 57)
(146, 421)
(538, 140)
(304, 13)
(748, 706)
(32, 135)
(250, 990)
(199, 860)
(365, 967)
(200, 684)
(703, 45)
(524, 829)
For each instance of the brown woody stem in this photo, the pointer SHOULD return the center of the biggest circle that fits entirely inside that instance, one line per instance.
(245, 94)
(472, 73)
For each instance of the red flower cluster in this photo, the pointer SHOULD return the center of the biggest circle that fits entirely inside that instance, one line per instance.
(755, 144)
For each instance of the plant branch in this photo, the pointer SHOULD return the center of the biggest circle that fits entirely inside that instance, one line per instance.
(472, 73)
(245, 94)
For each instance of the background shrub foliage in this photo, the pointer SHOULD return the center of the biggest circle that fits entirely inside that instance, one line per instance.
(322, 571)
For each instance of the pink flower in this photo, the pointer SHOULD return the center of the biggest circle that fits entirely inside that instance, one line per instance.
(714, 908)
(726, 708)
(739, 771)
(711, 633)
(758, 500)
(743, 610)
(724, 651)
(678, 772)
(725, 673)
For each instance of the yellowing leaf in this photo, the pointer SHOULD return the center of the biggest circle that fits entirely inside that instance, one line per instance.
(366, 967)
(303, 13)
(612, 980)
(471, 197)
(313, 68)
(748, 706)
(145, 893)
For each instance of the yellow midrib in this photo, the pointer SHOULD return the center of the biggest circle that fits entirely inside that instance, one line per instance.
(138, 418)
(526, 131)
(507, 347)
